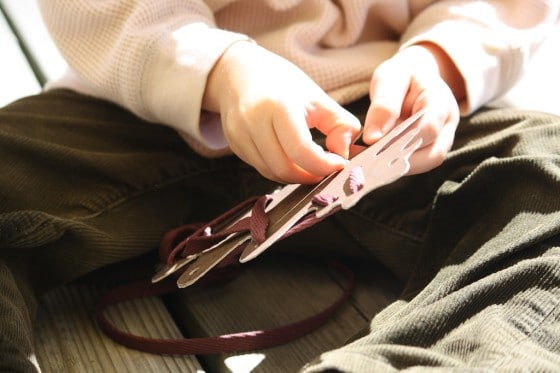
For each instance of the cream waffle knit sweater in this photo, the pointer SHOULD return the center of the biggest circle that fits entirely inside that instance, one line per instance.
(153, 56)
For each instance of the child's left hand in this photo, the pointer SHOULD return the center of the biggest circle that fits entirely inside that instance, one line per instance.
(420, 76)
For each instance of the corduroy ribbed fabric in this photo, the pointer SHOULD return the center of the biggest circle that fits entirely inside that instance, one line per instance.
(84, 184)
(17, 306)
(477, 244)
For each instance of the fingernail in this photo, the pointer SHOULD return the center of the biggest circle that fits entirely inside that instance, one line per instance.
(387, 126)
(374, 136)
(347, 142)
(338, 160)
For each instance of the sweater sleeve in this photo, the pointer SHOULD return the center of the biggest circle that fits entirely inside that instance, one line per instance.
(152, 57)
(490, 42)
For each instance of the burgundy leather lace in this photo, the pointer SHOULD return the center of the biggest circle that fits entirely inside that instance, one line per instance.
(191, 239)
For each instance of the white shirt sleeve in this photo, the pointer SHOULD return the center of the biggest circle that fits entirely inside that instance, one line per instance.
(491, 42)
(152, 57)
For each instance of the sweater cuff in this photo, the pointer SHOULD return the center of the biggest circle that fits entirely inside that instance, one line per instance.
(485, 64)
(175, 88)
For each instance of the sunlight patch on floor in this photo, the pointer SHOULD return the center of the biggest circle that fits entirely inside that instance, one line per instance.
(244, 363)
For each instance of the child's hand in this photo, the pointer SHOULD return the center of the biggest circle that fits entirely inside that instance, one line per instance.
(420, 76)
(267, 107)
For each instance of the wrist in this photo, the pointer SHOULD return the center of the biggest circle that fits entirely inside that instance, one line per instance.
(446, 68)
(217, 81)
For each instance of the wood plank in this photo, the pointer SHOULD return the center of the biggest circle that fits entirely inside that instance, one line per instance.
(25, 17)
(275, 291)
(67, 339)
(16, 77)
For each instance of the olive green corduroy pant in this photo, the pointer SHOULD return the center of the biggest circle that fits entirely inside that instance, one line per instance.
(476, 242)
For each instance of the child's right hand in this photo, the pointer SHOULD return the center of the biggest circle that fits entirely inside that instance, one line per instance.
(268, 106)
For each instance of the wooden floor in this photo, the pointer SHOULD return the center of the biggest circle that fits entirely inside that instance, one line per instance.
(273, 290)
(278, 290)
(68, 340)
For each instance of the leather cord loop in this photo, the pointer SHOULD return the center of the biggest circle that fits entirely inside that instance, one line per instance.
(193, 239)
(235, 342)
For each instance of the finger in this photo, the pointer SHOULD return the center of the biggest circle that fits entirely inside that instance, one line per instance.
(431, 124)
(279, 165)
(379, 120)
(430, 157)
(438, 114)
(259, 147)
(250, 155)
(339, 139)
(248, 152)
(338, 125)
(295, 138)
(387, 93)
(279, 170)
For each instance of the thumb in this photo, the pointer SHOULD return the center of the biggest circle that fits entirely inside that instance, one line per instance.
(339, 126)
